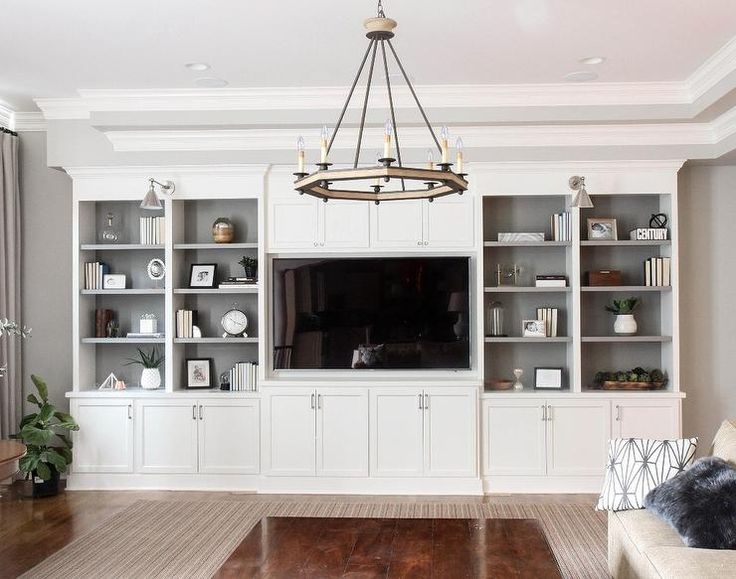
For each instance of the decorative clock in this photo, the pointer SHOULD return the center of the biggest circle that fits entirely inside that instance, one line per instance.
(234, 322)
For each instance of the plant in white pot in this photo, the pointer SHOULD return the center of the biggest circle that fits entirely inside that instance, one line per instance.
(151, 364)
(625, 323)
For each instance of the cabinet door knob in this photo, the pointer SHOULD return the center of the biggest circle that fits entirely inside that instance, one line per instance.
(315, 244)
(322, 244)
(419, 242)
(426, 243)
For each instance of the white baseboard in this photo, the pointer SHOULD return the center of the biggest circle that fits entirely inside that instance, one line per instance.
(542, 484)
(164, 482)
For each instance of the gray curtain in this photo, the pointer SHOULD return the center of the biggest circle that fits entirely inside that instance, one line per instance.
(11, 393)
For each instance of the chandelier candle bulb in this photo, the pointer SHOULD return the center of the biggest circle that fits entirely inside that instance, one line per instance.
(430, 159)
(444, 136)
(459, 155)
(323, 144)
(300, 154)
(389, 131)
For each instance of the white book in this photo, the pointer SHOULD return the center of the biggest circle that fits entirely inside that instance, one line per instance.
(660, 278)
(554, 322)
(666, 278)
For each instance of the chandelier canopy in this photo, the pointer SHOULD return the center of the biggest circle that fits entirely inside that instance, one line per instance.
(372, 183)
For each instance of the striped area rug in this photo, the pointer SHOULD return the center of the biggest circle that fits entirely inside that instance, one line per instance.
(175, 539)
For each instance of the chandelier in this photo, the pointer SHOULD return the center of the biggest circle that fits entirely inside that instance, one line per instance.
(372, 183)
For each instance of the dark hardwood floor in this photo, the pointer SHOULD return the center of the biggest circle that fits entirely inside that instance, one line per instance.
(33, 529)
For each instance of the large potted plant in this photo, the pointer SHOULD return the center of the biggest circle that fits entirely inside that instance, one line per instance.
(151, 363)
(625, 323)
(46, 434)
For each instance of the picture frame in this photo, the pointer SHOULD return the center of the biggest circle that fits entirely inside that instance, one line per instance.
(113, 281)
(199, 373)
(548, 378)
(203, 275)
(602, 229)
(533, 329)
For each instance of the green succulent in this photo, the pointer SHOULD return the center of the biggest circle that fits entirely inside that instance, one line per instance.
(623, 307)
(152, 360)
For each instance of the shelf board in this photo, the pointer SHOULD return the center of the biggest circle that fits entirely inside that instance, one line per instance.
(606, 339)
(122, 292)
(123, 340)
(249, 289)
(624, 242)
(120, 247)
(524, 289)
(527, 243)
(520, 340)
(248, 245)
(626, 288)
(249, 340)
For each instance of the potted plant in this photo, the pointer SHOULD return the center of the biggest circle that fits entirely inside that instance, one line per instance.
(49, 446)
(151, 363)
(250, 266)
(625, 323)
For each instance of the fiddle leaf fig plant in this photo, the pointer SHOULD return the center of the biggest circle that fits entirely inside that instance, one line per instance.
(46, 436)
(623, 307)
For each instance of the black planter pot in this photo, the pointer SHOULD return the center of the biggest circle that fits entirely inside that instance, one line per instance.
(47, 488)
(250, 272)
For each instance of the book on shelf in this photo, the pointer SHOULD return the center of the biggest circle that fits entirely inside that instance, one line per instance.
(102, 317)
(550, 281)
(522, 237)
(244, 377)
(232, 282)
(657, 272)
(141, 335)
(185, 320)
(561, 226)
(94, 273)
(152, 230)
(549, 317)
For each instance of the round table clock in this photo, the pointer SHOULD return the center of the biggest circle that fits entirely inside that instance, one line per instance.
(234, 322)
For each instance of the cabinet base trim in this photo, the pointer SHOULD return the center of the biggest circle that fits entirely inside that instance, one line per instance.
(542, 484)
(163, 482)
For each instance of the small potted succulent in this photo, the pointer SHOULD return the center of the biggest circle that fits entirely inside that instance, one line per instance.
(46, 434)
(250, 266)
(151, 364)
(625, 323)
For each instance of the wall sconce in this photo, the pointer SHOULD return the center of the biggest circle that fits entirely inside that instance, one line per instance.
(581, 199)
(151, 200)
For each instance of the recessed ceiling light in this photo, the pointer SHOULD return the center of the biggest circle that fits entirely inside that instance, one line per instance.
(210, 82)
(592, 60)
(198, 66)
(580, 76)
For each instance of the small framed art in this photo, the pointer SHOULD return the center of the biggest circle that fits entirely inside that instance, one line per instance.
(203, 275)
(548, 379)
(533, 329)
(602, 229)
(199, 373)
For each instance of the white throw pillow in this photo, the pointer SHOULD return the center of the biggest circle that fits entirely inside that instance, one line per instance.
(637, 465)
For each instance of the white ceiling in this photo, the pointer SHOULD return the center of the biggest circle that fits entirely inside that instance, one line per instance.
(51, 49)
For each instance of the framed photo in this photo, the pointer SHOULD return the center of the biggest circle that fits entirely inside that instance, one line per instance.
(113, 281)
(199, 373)
(203, 275)
(548, 378)
(602, 229)
(533, 329)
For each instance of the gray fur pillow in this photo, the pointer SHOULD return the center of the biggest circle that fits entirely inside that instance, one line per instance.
(700, 504)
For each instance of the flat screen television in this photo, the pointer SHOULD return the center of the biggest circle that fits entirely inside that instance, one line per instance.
(371, 313)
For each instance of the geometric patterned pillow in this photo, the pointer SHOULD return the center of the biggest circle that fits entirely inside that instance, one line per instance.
(637, 465)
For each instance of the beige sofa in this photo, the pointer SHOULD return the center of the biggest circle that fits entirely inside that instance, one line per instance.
(641, 545)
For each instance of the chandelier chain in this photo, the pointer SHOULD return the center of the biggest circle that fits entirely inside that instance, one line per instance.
(381, 13)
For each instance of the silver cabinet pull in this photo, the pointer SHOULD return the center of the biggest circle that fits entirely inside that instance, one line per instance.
(421, 407)
(419, 242)
(426, 401)
(544, 413)
(549, 413)
(194, 412)
(201, 410)
(426, 243)
(319, 401)
(618, 413)
(311, 401)
(130, 412)
(315, 244)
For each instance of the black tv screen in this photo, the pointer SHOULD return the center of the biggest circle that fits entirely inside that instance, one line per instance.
(371, 313)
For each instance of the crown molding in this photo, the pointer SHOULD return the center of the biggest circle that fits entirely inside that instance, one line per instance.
(7, 117)
(30, 121)
(717, 67)
(145, 171)
(604, 166)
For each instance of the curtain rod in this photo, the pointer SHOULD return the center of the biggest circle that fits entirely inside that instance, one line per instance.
(4, 130)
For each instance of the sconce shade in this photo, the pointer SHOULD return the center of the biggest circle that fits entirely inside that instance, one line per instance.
(582, 199)
(151, 200)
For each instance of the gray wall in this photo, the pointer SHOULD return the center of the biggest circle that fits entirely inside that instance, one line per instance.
(46, 201)
(708, 298)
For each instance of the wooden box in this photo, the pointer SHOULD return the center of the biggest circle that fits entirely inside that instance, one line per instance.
(604, 277)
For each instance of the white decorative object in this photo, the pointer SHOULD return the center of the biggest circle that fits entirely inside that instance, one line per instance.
(625, 325)
(518, 372)
(523, 237)
(150, 378)
(148, 324)
(196, 332)
(113, 281)
(109, 382)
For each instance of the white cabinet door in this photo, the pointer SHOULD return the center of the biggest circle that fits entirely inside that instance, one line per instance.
(449, 222)
(342, 432)
(166, 436)
(397, 224)
(577, 436)
(345, 224)
(396, 430)
(293, 222)
(289, 432)
(229, 436)
(104, 442)
(450, 431)
(659, 419)
(514, 437)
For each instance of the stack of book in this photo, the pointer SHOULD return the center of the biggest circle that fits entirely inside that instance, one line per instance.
(552, 280)
(93, 274)
(657, 271)
(244, 377)
(561, 226)
(549, 317)
(184, 323)
(102, 318)
(144, 336)
(152, 230)
(232, 282)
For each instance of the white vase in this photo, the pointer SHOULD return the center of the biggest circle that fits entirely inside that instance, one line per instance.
(625, 324)
(150, 378)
